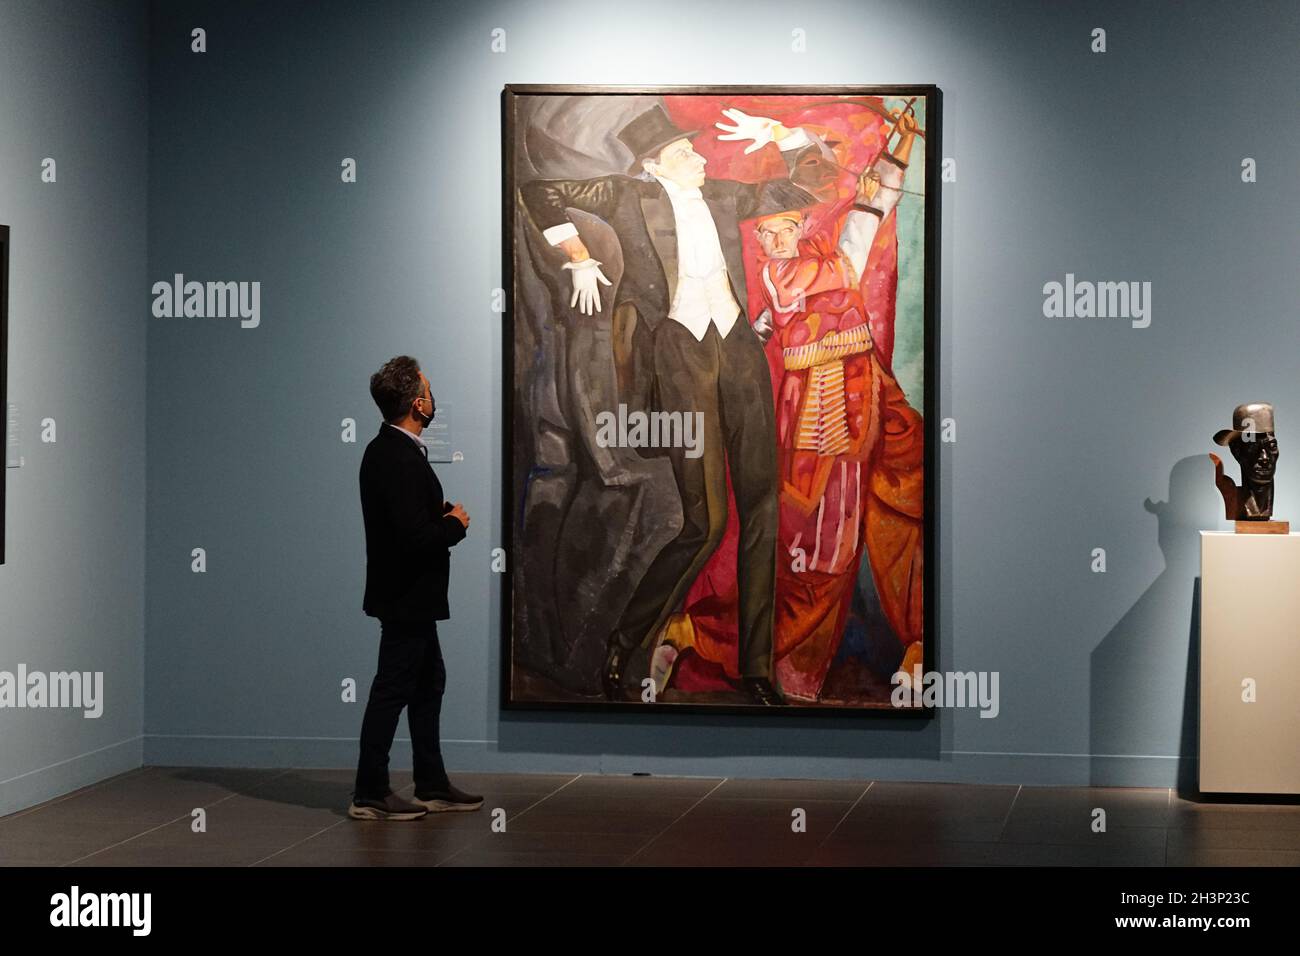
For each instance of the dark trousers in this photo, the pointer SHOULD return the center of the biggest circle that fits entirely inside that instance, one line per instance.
(411, 674)
(729, 382)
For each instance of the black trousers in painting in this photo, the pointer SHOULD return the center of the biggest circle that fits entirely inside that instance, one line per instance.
(411, 674)
(727, 380)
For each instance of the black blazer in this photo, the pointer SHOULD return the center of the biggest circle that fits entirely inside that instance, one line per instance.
(408, 537)
(641, 214)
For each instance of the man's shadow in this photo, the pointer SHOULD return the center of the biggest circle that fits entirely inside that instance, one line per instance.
(298, 787)
(1145, 673)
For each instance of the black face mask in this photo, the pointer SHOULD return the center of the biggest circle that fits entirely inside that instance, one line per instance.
(424, 420)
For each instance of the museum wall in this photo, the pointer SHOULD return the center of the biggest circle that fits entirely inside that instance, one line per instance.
(1068, 435)
(73, 89)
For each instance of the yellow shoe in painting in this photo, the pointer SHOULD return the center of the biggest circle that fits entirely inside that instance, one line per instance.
(679, 631)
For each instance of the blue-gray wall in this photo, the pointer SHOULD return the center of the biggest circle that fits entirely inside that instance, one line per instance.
(73, 87)
(1071, 435)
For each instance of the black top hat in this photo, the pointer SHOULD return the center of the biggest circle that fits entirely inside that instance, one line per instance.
(649, 133)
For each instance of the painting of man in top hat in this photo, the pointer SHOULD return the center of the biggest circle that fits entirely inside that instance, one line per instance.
(633, 261)
(640, 206)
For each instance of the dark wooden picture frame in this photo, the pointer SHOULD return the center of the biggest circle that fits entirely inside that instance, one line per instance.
(517, 476)
(4, 372)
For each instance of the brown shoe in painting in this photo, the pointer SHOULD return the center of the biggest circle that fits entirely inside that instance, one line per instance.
(613, 676)
(762, 692)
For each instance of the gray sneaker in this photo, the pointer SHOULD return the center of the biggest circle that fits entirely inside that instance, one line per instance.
(451, 799)
(391, 807)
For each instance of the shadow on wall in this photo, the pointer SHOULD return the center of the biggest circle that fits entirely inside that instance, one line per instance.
(1151, 655)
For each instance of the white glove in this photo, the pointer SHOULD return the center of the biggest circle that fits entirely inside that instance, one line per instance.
(585, 291)
(763, 325)
(757, 128)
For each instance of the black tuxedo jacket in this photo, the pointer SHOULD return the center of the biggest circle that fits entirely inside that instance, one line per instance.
(641, 214)
(408, 537)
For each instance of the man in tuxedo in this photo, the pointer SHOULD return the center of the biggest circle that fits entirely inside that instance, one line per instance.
(682, 338)
(410, 530)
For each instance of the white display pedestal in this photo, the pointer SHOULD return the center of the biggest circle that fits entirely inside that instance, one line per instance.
(1250, 629)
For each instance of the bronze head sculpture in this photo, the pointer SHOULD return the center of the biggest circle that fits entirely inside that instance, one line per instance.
(1253, 443)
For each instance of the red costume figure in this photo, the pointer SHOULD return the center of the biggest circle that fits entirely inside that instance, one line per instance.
(851, 450)
(850, 458)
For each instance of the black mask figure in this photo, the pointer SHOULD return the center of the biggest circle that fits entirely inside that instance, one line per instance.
(426, 420)
(1253, 443)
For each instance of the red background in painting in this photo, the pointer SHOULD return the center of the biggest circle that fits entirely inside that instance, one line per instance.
(860, 132)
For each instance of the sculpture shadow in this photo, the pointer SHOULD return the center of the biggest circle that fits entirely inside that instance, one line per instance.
(1150, 658)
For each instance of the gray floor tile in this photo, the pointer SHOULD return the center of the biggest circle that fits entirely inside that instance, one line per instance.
(791, 790)
(320, 856)
(1067, 805)
(558, 859)
(1186, 814)
(757, 808)
(409, 836)
(641, 787)
(536, 783)
(131, 854)
(963, 798)
(1183, 856)
(1081, 833)
(930, 826)
(1222, 838)
(600, 821)
(298, 818)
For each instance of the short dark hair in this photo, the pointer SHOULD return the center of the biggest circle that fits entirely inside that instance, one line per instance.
(395, 386)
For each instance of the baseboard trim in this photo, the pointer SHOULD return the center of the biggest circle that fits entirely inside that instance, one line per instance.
(1080, 770)
(45, 783)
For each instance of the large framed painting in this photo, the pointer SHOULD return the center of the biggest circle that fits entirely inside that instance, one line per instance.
(4, 370)
(719, 397)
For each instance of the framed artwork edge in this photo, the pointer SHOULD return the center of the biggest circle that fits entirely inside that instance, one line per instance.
(930, 360)
(4, 377)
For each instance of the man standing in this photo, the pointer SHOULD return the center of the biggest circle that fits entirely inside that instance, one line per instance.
(681, 246)
(410, 530)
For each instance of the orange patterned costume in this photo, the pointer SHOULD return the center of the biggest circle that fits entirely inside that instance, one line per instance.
(851, 461)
